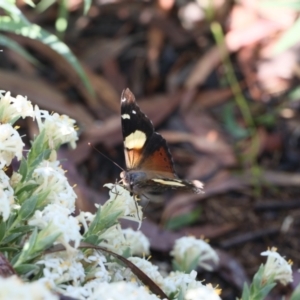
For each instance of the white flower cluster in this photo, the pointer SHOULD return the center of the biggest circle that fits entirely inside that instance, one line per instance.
(121, 200)
(177, 283)
(59, 128)
(190, 252)
(14, 288)
(11, 109)
(50, 176)
(277, 268)
(6, 196)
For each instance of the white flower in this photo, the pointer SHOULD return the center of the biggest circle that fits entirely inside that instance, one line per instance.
(6, 195)
(60, 219)
(276, 267)
(51, 177)
(121, 201)
(76, 292)
(149, 269)
(121, 291)
(11, 145)
(15, 179)
(59, 128)
(82, 292)
(179, 283)
(203, 292)
(189, 251)
(97, 269)
(61, 267)
(118, 273)
(138, 242)
(12, 108)
(12, 288)
(114, 240)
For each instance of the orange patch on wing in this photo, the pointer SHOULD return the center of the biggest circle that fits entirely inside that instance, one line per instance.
(132, 157)
(160, 161)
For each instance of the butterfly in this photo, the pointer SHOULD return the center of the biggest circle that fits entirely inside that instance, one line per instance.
(149, 163)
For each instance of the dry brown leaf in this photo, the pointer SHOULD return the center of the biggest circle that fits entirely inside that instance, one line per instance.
(106, 93)
(211, 98)
(210, 144)
(105, 50)
(155, 40)
(221, 183)
(112, 73)
(22, 64)
(203, 67)
(209, 231)
(204, 167)
(274, 178)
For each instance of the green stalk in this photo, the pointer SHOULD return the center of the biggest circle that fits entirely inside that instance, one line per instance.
(241, 102)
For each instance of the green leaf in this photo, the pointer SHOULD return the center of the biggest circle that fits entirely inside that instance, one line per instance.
(30, 3)
(9, 249)
(45, 242)
(246, 292)
(87, 5)
(23, 229)
(183, 220)
(296, 293)
(92, 239)
(294, 94)
(28, 207)
(23, 168)
(230, 123)
(44, 4)
(289, 39)
(27, 250)
(2, 230)
(10, 238)
(61, 23)
(12, 218)
(38, 146)
(267, 119)
(35, 32)
(11, 8)
(26, 268)
(11, 44)
(27, 188)
(42, 156)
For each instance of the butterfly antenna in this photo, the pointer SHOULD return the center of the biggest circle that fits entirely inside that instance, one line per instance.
(106, 156)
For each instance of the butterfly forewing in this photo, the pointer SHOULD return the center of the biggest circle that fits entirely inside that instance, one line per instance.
(143, 148)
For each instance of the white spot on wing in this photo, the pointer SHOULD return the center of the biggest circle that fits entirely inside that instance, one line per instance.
(123, 99)
(125, 116)
(135, 140)
(133, 111)
(168, 182)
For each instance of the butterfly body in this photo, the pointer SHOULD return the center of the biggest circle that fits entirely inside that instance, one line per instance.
(149, 163)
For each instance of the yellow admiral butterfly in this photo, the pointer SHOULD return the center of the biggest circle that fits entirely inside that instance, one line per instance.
(149, 163)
